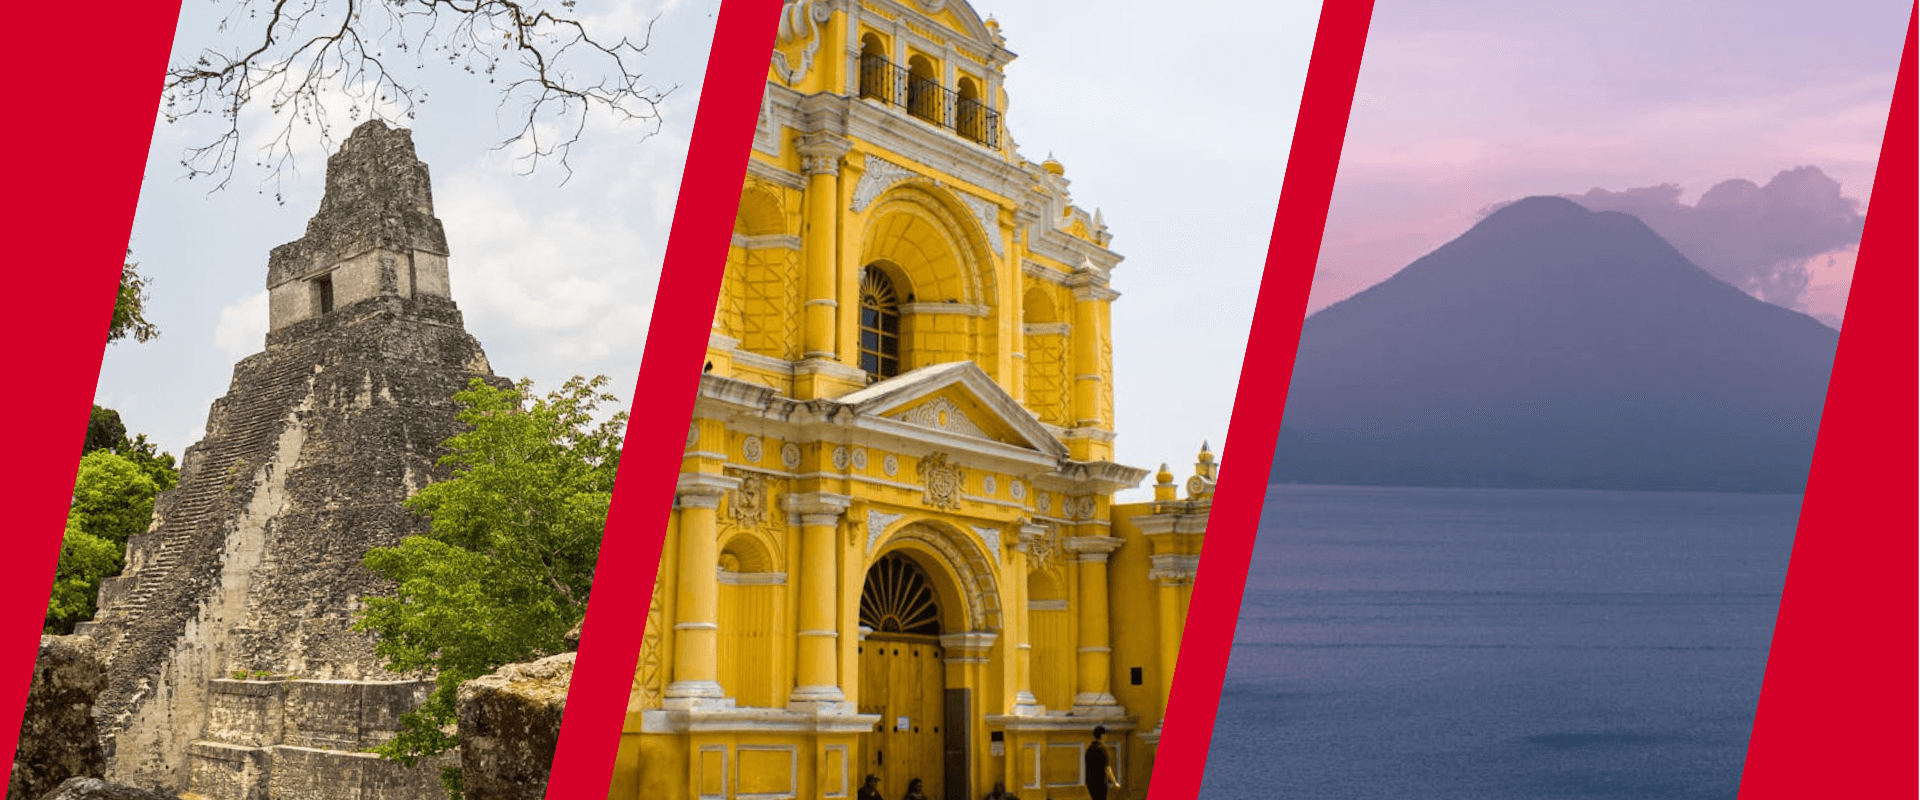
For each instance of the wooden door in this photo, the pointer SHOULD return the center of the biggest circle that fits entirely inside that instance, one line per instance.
(903, 679)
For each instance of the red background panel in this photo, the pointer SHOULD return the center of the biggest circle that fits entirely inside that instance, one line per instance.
(1837, 714)
(80, 113)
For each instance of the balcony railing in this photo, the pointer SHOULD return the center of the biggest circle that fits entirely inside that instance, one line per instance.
(882, 80)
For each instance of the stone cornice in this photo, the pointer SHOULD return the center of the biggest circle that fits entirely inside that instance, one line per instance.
(702, 490)
(818, 504)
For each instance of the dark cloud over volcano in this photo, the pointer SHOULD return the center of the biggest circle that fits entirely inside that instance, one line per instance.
(1758, 238)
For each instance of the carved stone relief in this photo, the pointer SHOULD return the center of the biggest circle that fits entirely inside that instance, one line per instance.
(943, 481)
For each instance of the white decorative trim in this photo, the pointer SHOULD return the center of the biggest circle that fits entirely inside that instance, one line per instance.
(859, 458)
(877, 522)
(792, 17)
(790, 455)
(1174, 567)
(841, 458)
(1018, 489)
(750, 578)
(877, 176)
(931, 413)
(989, 485)
(989, 216)
(992, 537)
(1046, 605)
(750, 449)
(890, 465)
(767, 241)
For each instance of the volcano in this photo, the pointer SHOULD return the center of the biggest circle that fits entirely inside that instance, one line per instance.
(1552, 346)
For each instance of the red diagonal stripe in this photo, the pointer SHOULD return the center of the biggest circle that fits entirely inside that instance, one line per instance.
(1277, 316)
(78, 143)
(663, 401)
(1837, 708)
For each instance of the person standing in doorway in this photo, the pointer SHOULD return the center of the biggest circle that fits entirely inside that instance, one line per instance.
(1100, 766)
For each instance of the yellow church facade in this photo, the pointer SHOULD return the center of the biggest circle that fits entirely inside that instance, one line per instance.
(895, 549)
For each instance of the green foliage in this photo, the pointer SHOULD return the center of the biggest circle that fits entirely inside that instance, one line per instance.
(505, 572)
(84, 560)
(112, 501)
(130, 307)
(113, 498)
(106, 432)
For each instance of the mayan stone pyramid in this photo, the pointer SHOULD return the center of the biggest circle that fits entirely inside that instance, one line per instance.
(233, 669)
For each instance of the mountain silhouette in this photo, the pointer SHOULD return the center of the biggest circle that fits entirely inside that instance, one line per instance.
(1552, 346)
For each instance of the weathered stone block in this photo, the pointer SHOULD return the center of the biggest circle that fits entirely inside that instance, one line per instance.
(57, 735)
(509, 726)
(250, 713)
(301, 773)
(229, 771)
(96, 789)
(381, 705)
(324, 715)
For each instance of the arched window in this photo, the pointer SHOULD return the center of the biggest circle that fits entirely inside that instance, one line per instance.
(876, 72)
(898, 598)
(879, 324)
(923, 90)
(969, 113)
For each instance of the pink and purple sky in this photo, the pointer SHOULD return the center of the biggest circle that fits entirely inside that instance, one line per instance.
(1653, 103)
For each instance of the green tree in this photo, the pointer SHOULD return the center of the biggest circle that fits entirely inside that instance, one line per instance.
(505, 571)
(130, 307)
(112, 501)
(113, 495)
(106, 432)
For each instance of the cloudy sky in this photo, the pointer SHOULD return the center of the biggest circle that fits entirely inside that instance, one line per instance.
(1643, 106)
(556, 280)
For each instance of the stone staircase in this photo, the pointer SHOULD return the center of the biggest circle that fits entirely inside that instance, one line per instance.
(179, 556)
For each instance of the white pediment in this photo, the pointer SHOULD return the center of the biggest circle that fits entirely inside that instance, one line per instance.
(959, 399)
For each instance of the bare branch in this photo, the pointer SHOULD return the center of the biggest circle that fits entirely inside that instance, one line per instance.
(307, 57)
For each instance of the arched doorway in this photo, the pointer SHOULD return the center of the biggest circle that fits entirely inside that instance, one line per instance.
(903, 679)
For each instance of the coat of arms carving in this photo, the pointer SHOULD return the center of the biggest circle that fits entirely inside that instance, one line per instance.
(944, 479)
(747, 505)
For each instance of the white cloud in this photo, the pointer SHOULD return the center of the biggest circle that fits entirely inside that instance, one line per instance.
(241, 329)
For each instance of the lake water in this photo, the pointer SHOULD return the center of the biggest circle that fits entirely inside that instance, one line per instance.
(1500, 644)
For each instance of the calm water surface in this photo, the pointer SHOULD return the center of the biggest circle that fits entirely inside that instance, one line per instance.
(1499, 644)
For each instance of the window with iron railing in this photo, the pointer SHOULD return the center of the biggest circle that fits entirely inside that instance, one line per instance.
(889, 83)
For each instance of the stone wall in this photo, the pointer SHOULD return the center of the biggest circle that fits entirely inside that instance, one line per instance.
(58, 740)
(307, 740)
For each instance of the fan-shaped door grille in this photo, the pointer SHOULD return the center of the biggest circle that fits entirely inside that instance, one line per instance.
(898, 598)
